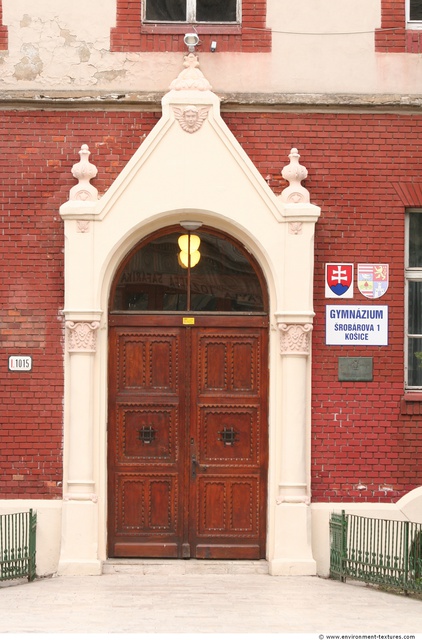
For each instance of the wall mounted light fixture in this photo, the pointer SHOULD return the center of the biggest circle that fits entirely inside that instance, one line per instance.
(191, 40)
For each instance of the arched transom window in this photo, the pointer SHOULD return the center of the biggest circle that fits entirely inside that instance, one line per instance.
(179, 270)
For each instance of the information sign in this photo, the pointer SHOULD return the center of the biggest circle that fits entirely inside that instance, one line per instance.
(356, 325)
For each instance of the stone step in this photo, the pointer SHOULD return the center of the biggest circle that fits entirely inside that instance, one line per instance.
(184, 567)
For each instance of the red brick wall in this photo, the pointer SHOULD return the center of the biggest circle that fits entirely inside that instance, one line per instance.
(363, 433)
(37, 151)
(360, 436)
(393, 37)
(3, 31)
(130, 34)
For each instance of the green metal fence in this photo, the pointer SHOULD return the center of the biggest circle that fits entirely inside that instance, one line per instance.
(17, 545)
(375, 551)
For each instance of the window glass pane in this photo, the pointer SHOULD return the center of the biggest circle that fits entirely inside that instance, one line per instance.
(415, 240)
(165, 10)
(415, 307)
(415, 9)
(216, 10)
(223, 280)
(414, 362)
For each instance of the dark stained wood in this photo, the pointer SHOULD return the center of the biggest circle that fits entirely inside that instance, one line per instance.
(229, 491)
(146, 381)
(198, 487)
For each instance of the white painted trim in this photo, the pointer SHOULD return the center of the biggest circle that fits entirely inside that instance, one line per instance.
(175, 175)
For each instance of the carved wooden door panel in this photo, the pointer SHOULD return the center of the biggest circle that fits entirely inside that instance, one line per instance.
(229, 442)
(187, 465)
(146, 419)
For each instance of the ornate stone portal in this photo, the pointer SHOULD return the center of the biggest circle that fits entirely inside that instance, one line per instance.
(188, 150)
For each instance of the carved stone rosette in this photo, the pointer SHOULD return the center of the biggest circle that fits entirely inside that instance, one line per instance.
(295, 339)
(295, 228)
(82, 336)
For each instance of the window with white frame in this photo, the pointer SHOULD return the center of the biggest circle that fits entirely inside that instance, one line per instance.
(192, 11)
(414, 13)
(413, 272)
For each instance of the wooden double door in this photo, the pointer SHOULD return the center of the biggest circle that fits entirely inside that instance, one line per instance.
(187, 438)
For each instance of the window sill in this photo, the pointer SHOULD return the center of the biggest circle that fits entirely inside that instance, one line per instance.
(170, 28)
(411, 403)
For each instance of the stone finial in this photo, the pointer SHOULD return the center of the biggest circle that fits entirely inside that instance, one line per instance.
(84, 171)
(294, 173)
(191, 78)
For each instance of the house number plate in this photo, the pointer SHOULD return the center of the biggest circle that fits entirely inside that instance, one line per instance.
(20, 363)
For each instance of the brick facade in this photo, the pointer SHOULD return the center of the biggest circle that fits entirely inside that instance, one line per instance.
(37, 151)
(393, 37)
(363, 170)
(3, 31)
(251, 36)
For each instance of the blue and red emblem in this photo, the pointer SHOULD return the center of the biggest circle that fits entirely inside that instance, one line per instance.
(339, 280)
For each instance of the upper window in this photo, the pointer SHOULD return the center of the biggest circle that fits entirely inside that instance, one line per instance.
(414, 11)
(414, 300)
(192, 11)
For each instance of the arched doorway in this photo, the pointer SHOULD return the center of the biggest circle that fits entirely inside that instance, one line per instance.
(188, 399)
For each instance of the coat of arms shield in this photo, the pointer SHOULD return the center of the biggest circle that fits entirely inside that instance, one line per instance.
(373, 279)
(338, 280)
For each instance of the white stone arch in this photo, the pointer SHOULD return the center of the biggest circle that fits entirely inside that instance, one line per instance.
(208, 177)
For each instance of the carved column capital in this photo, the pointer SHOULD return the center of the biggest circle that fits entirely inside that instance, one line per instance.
(295, 339)
(82, 336)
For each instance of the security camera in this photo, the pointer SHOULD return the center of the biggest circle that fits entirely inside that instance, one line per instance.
(213, 46)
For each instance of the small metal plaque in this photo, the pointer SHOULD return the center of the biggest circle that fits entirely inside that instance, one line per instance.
(355, 369)
(188, 320)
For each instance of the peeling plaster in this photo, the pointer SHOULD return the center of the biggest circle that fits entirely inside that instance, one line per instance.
(68, 37)
(73, 49)
(84, 53)
(30, 65)
(26, 21)
(110, 75)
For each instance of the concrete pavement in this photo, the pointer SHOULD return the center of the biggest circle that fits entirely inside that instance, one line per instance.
(195, 597)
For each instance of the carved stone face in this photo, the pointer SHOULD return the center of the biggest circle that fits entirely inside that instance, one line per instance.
(190, 116)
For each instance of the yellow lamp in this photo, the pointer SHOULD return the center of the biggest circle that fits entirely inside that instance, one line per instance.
(189, 254)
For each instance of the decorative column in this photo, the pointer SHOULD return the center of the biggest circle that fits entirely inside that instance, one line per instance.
(81, 348)
(295, 343)
(79, 548)
(291, 552)
(79, 545)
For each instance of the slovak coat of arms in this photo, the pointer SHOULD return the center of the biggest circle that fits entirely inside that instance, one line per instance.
(373, 279)
(338, 280)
